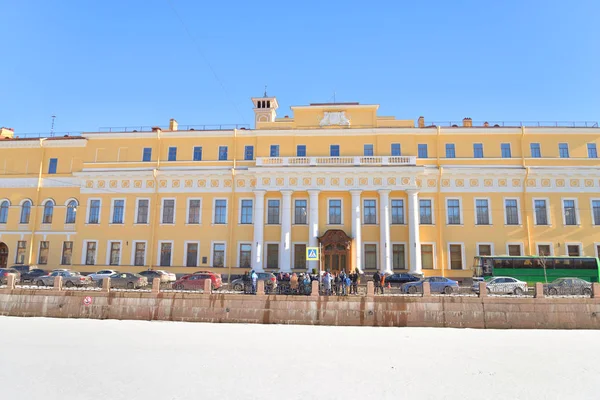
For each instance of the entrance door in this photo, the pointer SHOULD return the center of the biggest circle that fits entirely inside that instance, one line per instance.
(336, 250)
(3, 255)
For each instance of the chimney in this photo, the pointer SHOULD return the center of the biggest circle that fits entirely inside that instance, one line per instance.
(467, 122)
(7, 133)
(173, 124)
(156, 129)
(421, 122)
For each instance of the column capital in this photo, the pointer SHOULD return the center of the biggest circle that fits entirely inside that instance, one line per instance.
(412, 192)
(286, 193)
(313, 192)
(384, 191)
(356, 192)
(259, 192)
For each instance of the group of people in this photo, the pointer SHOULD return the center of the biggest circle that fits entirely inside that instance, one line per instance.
(340, 284)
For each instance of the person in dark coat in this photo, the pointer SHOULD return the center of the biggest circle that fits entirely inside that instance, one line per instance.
(377, 282)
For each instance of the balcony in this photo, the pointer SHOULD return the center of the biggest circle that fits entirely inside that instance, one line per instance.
(336, 161)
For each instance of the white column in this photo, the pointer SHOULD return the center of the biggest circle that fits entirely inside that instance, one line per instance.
(259, 221)
(285, 253)
(313, 225)
(385, 265)
(356, 230)
(414, 243)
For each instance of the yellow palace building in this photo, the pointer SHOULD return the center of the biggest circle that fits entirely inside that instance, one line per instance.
(375, 192)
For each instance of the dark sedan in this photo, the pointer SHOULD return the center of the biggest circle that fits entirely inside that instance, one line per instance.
(397, 280)
(32, 275)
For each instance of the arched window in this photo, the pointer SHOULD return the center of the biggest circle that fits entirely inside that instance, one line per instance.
(25, 212)
(4, 211)
(71, 212)
(48, 212)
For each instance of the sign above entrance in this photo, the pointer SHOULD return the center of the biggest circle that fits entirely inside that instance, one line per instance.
(312, 254)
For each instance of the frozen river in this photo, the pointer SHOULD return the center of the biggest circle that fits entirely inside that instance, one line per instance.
(87, 360)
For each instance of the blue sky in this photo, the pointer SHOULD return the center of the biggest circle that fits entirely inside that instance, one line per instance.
(141, 62)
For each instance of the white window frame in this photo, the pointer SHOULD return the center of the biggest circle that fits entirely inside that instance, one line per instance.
(294, 211)
(562, 210)
(433, 247)
(405, 255)
(112, 210)
(265, 254)
(489, 204)
(158, 252)
(240, 211)
(135, 217)
(462, 255)
(239, 249)
(432, 210)
(404, 202)
(377, 257)
(132, 260)
(591, 211)
(362, 211)
(187, 213)
(294, 253)
(84, 252)
(537, 248)
(185, 246)
(87, 213)
(548, 213)
(491, 244)
(520, 244)
(212, 251)
(108, 242)
(579, 244)
(341, 211)
(519, 217)
(596, 249)
(280, 208)
(214, 212)
(460, 211)
(162, 206)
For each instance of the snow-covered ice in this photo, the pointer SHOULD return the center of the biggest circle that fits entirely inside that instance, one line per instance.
(86, 360)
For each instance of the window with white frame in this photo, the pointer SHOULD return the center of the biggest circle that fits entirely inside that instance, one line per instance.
(43, 254)
(563, 150)
(453, 210)
(484, 249)
(90, 253)
(397, 211)
(115, 253)
(300, 256)
(482, 212)
(71, 215)
(450, 150)
(218, 255)
(477, 150)
(427, 261)
(191, 254)
(48, 212)
(369, 211)
(220, 211)
(368, 150)
(541, 212)
(335, 212)
(570, 212)
(140, 254)
(25, 212)
(514, 250)
(246, 211)
(300, 212)
(398, 256)
(197, 155)
(142, 211)
(544, 250)
(535, 150)
(596, 212)
(168, 211)
(425, 215)
(456, 258)
(165, 254)
(370, 255)
(118, 211)
(273, 255)
(4, 206)
(94, 212)
(592, 152)
(272, 211)
(21, 250)
(194, 210)
(511, 210)
(505, 149)
(222, 153)
(245, 255)
(396, 150)
(67, 253)
(574, 250)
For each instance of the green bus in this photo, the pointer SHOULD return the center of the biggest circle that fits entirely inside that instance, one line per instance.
(531, 268)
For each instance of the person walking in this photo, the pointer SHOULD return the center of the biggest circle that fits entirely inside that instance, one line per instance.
(327, 283)
(377, 281)
(355, 277)
(254, 277)
(294, 283)
(343, 282)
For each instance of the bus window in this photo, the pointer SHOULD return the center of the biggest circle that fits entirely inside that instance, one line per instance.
(488, 267)
(521, 263)
(503, 263)
(527, 263)
(589, 263)
(562, 263)
(577, 263)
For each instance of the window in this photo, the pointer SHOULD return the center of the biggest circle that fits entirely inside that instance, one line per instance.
(48, 212)
(222, 153)
(450, 152)
(220, 211)
(456, 261)
(453, 208)
(422, 150)
(4, 211)
(505, 149)
(52, 165)
(300, 212)
(592, 153)
(535, 150)
(569, 212)
(573, 250)
(563, 150)
(43, 255)
(71, 212)
(596, 212)
(301, 150)
(274, 150)
(273, 212)
(425, 212)
(248, 153)
(172, 154)
(544, 250)
(541, 212)
(512, 211)
(168, 211)
(245, 255)
(482, 212)
(398, 259)
(368, 150)
(369, 212)
(219, 255)
(25, 212)
(484, 250)
(67, 253)
(21, 249)
(140, 254)
(335, 212)
(246, 215)
(147, 154)
(194, 211)
(300, 256)
(427, 256)
(90, 253)
(477, 150)
(165, 254)
(396, 150)
(334, 150)
(370, 256)
(198, 153)
(514, 249)
(397, 211)
(115, 253)
(94, 216)
(118, 210)
(142, 211)
(273, 255)
(191, 255)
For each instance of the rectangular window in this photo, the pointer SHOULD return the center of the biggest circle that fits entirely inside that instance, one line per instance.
(301, 150)
(453, 206)
(273, 212)
(484, 250)
(456, 261)
(592, 153)
(512, 212)
(514, 250)
(544, 250)
(90, 253)
(450, 152)
(219, 255)
(52, 165)
(536, 151)
(245, 255)
(334, 150)
(335, 212)
(21, 250)
(274, 150)
(368, 150)
(596, 211)
(398, 261)
(165, 254)
(370, 256)
(172, 154)
(67, 253)
(222, 153)
(300, 256)
(118, 210)
(220, 211)
(273, 255)
(198, 153)
(300, 212)
(541, 212)
(369, 212)
(191, 255)
(43, 255)
(427, 256)
(246, 214)
(168, 212)
(505, 149)
(94, 217)
(194, 211)
(569, 210)
(563, 150)
(422, 150)
(248, 153)
(483, 212)
(397, 211)
(396, 150)
(477, 150)
(142, 211)
(147, 154)
(115, 253)
(425, 212)
(573, 250)
(140, 254)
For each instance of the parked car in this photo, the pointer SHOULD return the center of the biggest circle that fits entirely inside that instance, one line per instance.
(104, 273)
(150, 274)
(437, 284)
(32, 275)
(70, 279)
(196, 281)
(503, 285)
(397, 280)
(171, 276)
(127, 280)
(568, 286)
(22, 268)
(4, 275)
(269, 278)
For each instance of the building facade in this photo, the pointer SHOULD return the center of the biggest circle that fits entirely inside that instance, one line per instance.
(375, 192)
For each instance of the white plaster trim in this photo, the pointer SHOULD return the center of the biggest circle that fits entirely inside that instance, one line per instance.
(240, 211)
(87, 211)
(363, 199)
(278, 200)
(579, 244)
(548, 213)
(520, 244)
(112, 211)
(460, 212)
(519, 218)
(239, 253)
(550, 244)
(306, 199)
(187, 214)
(133, 245)
(135, 216)
(592, 210)
(212, 252)
(434, 255)
(462, 254)
(108, 245)
(564, 216)
(162, 207)
(294, 255)
(265, 254)
(364, 259)
(491, 244)
(406, 266)
(158, 253)
(432, 210)
(84, 252)
(214, 211)
(185, 253)
(489, 208)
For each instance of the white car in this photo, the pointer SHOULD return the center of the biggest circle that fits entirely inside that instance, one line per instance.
(105, 273)
(506, 285)
(172, 277)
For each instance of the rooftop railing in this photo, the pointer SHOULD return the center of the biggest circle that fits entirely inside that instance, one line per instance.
(148, 128)
(45, 135)
(335, 161)
(518, 124)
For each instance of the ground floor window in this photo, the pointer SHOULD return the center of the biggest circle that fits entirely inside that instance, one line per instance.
(273, 255)
(67, 253)
(573, 250)
(300, 256)
(115, 253)
(43, 256)
(191, 258)
(456, 261)
(514, 249)
(218, 255)
(140, 254)
(427, 256)
(90, 253)
(165, 254)
(484, 250)
(245, 255)
(398, 260)
(370, 256)
(21, 248)
(544, 250)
